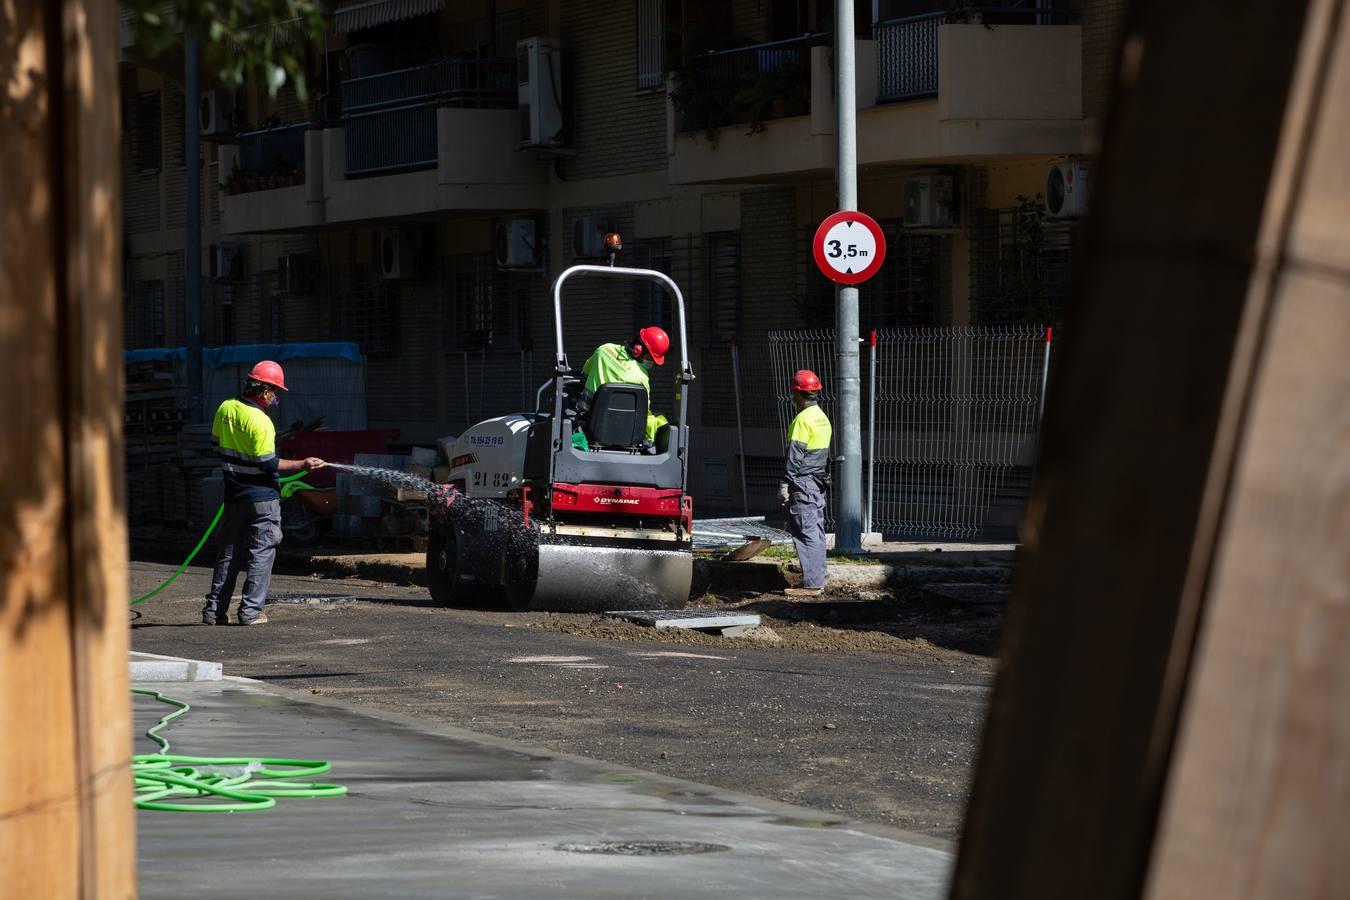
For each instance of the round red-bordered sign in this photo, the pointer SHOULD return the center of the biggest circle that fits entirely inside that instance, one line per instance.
(849, 247)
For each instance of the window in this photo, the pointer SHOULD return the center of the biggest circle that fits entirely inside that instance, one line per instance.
(227, 314)
(146, 136)
(273, 307)
(370, 318)
(724, 286)
(490, 307)
(651, 37)
(651, 304)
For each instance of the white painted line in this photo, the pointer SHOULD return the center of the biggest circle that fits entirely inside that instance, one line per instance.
(679, 655)
(550, 659)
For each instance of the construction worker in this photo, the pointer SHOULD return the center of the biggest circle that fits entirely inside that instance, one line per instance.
(250, 528)
(627, 364)
(805, 480)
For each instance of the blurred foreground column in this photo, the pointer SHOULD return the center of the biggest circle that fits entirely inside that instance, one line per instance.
(1172, 712)
(66, 820)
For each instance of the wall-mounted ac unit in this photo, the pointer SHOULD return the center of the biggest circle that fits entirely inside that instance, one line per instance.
(395, 254)
(930, 201)
(296, 272)
(1066, 189)
(518, 245)
(227, 261)
(539, 91)
(215, 114)
(588, 236)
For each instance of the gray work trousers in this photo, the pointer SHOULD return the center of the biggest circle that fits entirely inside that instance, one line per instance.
(806, 522)
(248, 539)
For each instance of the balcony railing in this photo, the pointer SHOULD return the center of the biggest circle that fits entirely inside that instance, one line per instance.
(390, 118)
(746, 84)
(907, 48)
(269, 158)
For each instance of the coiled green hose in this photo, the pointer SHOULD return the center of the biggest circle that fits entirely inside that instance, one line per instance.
(174, 783)
(216, 783)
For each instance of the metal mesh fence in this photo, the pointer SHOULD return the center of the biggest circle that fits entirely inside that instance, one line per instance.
(954, 425)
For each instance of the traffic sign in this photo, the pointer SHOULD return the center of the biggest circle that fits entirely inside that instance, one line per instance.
(849, 247)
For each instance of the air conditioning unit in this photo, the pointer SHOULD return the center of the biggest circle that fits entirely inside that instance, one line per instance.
(588, 236)
(1066, 189)
(930, 201)
(396, 255)
(518, 244)
(296, 272)
(539, 91)
(227, 261)
(215, 114)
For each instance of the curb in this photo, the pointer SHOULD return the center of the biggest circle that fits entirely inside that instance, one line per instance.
(151, 667)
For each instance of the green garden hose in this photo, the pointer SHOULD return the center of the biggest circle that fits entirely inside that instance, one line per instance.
(174, 783)
(287, 489)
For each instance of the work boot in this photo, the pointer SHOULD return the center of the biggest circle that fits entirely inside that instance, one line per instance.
(804, 592)
(208, 619)
(259, 619)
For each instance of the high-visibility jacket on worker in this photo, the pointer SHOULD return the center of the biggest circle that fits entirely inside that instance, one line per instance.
(246, 442)
(808, 454)
(613, 364)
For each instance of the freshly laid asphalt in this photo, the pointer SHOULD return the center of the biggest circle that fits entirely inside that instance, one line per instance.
(434, 811)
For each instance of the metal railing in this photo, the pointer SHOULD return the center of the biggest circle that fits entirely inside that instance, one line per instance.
(384, 141)
(390, 118)
(907, 48)
(748, 84)
(952, 414)
(274, 152)
(477, 83)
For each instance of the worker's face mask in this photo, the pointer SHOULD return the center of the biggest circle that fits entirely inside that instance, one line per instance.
(270, 399)
(647, 364)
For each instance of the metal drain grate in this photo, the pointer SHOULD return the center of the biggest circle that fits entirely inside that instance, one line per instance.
(644, 848)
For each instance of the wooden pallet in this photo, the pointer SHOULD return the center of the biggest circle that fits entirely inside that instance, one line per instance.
(401, 543)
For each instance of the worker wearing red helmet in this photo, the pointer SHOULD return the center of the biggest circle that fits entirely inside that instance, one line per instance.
(250, 528)
(805, 480)
(627, 364)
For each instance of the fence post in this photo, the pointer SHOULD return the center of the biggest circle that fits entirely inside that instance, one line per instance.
(467, 412)
(871, 432)
(740, 432)
(1045, 376)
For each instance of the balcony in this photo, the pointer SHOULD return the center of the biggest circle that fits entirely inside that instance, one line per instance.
(390, 119)
(946, 88)
(419, 140)
(746, 85)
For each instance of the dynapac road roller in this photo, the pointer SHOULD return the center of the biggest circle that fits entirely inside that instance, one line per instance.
(551, 526)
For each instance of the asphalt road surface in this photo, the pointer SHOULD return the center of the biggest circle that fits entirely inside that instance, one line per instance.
(887, 737)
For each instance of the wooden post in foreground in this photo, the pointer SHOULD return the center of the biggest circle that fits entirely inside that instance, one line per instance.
(1172, 713)
(67, 827)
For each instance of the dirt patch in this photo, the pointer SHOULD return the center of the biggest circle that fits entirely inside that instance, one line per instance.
(910, 632)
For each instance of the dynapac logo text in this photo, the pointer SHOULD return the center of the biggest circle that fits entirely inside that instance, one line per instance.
(615, 500)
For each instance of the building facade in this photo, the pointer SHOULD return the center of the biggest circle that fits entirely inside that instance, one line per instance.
(455, 157)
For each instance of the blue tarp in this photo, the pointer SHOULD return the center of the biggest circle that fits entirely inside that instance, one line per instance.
(247, 354)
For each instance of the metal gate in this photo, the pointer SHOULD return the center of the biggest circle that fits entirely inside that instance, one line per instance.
(951, 417)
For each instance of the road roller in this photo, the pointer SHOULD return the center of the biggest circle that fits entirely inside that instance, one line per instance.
(541, 523)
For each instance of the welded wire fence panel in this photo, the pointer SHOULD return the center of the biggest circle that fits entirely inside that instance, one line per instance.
(907, 57)
(956, 418)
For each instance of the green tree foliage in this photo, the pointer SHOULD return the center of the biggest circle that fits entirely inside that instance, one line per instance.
(239, 39)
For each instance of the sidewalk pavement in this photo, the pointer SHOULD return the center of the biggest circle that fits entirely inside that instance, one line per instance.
(442, 812)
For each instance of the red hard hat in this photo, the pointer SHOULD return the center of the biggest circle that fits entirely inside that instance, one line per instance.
(657, 343)
(269, 372)
(805, 380)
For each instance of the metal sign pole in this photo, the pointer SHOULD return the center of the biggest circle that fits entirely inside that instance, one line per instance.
(848, 521)
(740, 433)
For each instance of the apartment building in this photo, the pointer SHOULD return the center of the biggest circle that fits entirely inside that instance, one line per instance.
(456, 156)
